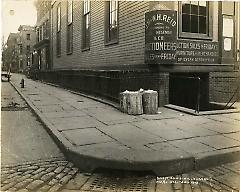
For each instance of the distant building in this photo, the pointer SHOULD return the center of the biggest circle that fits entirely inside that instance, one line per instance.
(25, 41)
(190, 56)
(42, 46)
(9, 54)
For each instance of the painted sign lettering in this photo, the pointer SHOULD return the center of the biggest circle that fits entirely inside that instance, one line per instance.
(189, 51)
(160, 37)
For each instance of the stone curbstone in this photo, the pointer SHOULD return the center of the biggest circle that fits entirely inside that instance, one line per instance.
(215, 158)
(143, 161)
(61, 141)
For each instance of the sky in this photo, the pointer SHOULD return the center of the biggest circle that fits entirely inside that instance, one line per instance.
(16, 13)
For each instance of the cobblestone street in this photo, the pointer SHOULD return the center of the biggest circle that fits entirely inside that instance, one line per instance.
(60, 175)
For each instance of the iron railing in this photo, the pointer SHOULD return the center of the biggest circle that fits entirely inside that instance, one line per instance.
(236, 91)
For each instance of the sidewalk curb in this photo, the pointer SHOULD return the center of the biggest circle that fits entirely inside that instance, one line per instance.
(141, 161)
(214, 158)
(62, 142)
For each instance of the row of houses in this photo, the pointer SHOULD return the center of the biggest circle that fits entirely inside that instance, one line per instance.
(17, 53)
(189, 51)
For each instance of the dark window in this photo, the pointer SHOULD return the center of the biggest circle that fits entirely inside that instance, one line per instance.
(194, 19)
(46, 29)
(47, 58)
(21, 63)
(86, 25)
(28, 61)
(20, 49)
(111, 32)
(40, 60)
(28, 36)
(69, 38)
(58, 44)
(28, 48)
(38, 34)
(69, 26)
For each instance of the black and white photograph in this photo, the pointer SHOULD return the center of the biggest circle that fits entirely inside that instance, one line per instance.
(120, 96)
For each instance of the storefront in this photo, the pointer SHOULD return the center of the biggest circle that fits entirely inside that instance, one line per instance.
(104, 48)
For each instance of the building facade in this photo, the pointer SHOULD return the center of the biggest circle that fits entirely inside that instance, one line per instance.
(25, 41)
(105, 47)
(42, 46)
(10, 54)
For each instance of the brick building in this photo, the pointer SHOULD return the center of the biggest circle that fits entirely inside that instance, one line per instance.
(25, 41)
(105, 47)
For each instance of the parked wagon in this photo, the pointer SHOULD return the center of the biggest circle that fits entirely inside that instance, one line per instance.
(6, 74)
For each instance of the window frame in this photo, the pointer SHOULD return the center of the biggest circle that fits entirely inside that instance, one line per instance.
(69, 39)
(20, 49)
(209, 25)
(69, 2)
(28, 36)
(28, 60)
(47, 29)
(38, 34)
(58, 35)
(42, 29)
(107, 39)
(28, 48)
(21, 63)
(59, 17)
(69, 34)
(86, 15)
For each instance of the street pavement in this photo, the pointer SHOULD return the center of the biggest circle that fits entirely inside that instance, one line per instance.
(93, 134)
(42, 166)
(20, 126)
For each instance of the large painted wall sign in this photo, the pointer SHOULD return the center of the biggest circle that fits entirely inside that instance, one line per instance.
(195, 52)
(161, 37)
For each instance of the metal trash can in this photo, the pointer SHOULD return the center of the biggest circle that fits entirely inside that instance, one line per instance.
(150, 102)
(131, 102)
(123, 97)
(135, 106)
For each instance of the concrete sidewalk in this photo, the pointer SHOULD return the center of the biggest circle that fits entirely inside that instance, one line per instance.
(95, 135)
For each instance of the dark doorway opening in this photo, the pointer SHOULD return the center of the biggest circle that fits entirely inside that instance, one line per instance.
(189, 90)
